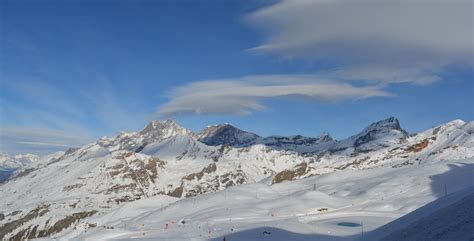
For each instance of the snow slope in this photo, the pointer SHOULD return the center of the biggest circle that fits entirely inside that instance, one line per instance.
(448, 218)
(294, 211)
(377, 135)
(165, 173)
(9, 164)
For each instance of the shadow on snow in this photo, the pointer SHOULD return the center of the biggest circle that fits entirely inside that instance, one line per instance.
(445, 186)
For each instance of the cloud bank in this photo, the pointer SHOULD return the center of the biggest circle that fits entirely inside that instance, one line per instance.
(243, 95)
(425, 33)
(39, 140)
(372, 43)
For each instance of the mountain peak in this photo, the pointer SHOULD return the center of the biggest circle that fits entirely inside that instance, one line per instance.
(379, 134)
(226, 134)
(164, 129)
(325, 137)
(456, 122)
(154, 124)
(390, 123)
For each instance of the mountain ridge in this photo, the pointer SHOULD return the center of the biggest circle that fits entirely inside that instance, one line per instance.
(226, 134)
(165, 159)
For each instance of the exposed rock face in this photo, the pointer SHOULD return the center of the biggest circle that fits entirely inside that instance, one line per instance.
(155, 131)
(198, 175)
(419, 146)
(299, 143)
(380, 134)
(325, 137)
(290, 175)
(10, 226)
(229, 135)
(159, 130)
(36, 232)
(207, 180)
(178, 192)
(226, 134)
(140, 174)
(377, 135)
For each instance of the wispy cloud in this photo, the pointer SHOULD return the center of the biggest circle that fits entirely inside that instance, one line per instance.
(43, 118)
(39, 140)
(37, 143)
(382, 75)
(373, 43)
(416, 37)
(108, 106)
(243, 95)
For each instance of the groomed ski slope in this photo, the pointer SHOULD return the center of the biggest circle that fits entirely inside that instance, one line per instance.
(294, 211)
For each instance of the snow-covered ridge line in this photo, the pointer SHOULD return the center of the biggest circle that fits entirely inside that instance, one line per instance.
(226, 134)
(165, 159)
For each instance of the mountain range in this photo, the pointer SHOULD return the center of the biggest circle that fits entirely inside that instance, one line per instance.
(54, 195)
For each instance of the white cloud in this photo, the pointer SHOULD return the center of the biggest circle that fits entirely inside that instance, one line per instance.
(373, 43)
(49, 118)
(384, 74)
(423, 35)
(39, 140)
(243, 95)
(36, 143)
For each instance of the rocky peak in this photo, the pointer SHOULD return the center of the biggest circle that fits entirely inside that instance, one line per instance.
(164, 129)
(388, 124)
(325, 137)
(379, 134)
(156, 131)
(226, 134)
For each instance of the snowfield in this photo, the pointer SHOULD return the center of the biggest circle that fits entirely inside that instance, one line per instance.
(293, 211)
(167, 183)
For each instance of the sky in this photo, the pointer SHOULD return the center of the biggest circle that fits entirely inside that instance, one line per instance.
(73, 71)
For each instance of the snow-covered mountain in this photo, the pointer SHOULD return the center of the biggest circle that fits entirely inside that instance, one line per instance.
(168, 162)
(376, 136)
(229, 135)
(226, 134)
(9, 164)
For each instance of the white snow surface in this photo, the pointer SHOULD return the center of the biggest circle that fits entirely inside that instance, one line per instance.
(142, 185)
(17, 161)
(292, 210)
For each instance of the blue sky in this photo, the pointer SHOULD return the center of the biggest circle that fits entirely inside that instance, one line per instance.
(73, 71)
